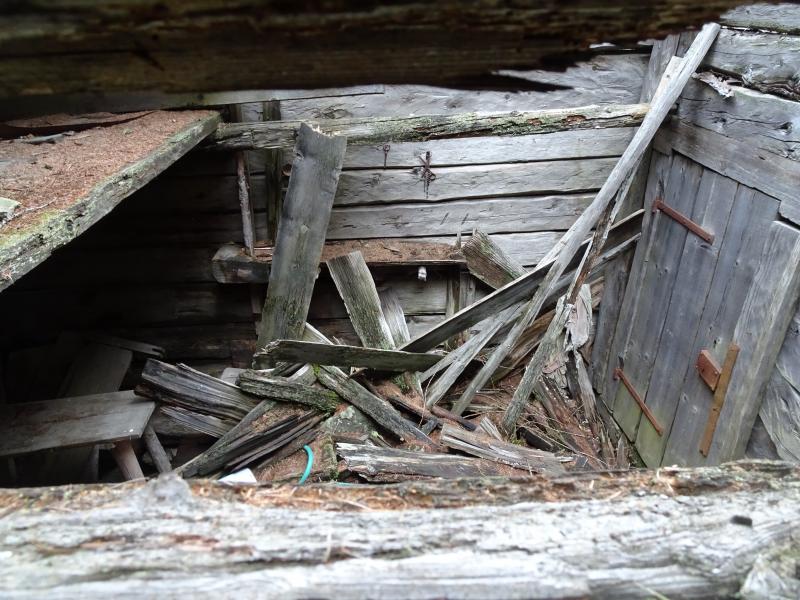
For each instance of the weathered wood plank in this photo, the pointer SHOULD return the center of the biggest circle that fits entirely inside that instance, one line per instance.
(301, 234)
(759, 333)
(391, 129)
(669, 238)
(739, 257)
(695, 272)
(485, 446)
(560, 145)
(357, 289)
(70, 422)
(282, 389)
(23, 250)
(393, 464)
(156, 450)
(343, 356)
(523, 287)
(531, 538)
(783, 17)
(487, 261)
(764, 61)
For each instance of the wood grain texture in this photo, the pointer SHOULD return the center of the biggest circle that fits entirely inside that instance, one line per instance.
(357, 289)
(739, 257)
(22, 251)
(522, 545)
(76, 421)
(783, 17)
(301, 234)
(695, 272)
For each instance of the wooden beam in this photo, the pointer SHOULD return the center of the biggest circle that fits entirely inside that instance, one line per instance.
(465, 538)
(544, 276)
(343, 356)
(365, 131)
(22, 250)
(282, 389)
(301, 234)
(156, 450)
(357, 289)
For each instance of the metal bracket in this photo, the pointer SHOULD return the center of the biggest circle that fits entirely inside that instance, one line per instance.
(720, 390)
(619, 374)
(708, 369)
(706, 235)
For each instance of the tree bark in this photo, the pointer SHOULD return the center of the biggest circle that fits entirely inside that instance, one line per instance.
(676, 532)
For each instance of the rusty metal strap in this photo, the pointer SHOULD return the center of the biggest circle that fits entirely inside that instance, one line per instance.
(719, 398)
(683, 220)
(619, 374)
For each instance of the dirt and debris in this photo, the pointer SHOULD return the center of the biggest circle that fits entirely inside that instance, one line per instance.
(54, 175)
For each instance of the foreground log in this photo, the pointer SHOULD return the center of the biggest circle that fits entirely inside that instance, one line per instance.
(711, 532)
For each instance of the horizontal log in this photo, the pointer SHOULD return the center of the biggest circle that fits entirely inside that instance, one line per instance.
(783, 17)
(703, 533)
(380, 130)
(295, 351)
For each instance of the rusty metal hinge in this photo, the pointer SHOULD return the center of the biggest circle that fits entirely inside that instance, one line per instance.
(720, 389)
(619, 374)
(706, 235)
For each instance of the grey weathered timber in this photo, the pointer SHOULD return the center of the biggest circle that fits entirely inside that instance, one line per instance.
(24, 249)
(600, 79)
(393, 464)
(764, 61)
(357, 289)
(135, 101)
(378, 409)
(710, 533)
(762, 121)
(126, 460)
(70, 422)
(523, 287)
(301, 234)
(398, 206)
(188, 388)
(739, 259)
(264, 385)
(683, 312)
(660, 167)
(395, 317)
(560, 145)
(197, 47)
(380, 130)
(759, 333)
(489, 262)
(486, 446)
(552, 342)
(156, 450)
(196, 422)
(783, 17)
(668, 239)
(343, 356)
(245, 203)
(759, 169)
(660, 55)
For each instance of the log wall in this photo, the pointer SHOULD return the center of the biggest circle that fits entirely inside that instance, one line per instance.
(145, 271)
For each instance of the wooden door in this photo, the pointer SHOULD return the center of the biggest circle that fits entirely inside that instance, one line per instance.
(686, 294)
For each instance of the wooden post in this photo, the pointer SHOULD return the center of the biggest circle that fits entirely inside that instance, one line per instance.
(301, 234)
(156, 450)
(126, 460)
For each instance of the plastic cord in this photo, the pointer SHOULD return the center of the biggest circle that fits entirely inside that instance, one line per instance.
(309, 464)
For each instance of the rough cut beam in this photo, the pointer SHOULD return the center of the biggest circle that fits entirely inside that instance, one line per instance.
(675, 533)
(379, 130)
(73, 46)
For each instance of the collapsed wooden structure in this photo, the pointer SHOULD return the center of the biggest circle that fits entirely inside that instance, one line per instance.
(349, 289)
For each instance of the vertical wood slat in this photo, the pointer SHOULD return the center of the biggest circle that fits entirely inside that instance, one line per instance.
(739, 257)
(656, 287)
(660, 167)
(695, 272)
(301, 234)
(761, 328)
(273, 175)
(357, 289)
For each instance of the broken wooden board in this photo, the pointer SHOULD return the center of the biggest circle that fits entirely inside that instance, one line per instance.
(342, 356)
(264, 385)
(517, 456)
(380, 130)
(24, 247)
(71, 422)
(192, 390)
(301, 234)
(387, 465)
